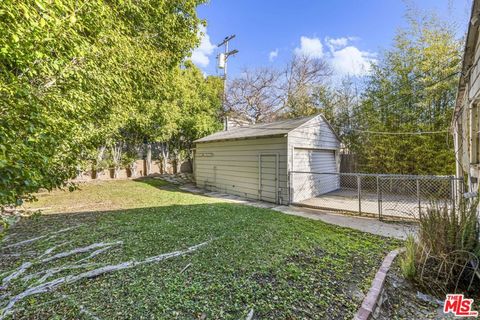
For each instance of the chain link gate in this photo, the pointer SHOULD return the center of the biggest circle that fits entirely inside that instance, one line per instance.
(379, 195)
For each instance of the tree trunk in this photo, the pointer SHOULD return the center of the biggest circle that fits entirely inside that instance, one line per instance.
(95, 170)
(133, 169)
(164, 157)
(116, 157)
(175, 163)
(164, 165)
(175, 166)
(100, 154)
(178, 164)
(148, 169)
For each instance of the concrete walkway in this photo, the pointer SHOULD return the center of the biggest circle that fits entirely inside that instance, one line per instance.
(371, 225)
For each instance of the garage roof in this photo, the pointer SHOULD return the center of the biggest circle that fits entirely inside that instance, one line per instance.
(258, 130)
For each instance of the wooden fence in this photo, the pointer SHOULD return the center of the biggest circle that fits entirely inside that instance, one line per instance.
(141, 171)
(348, 163)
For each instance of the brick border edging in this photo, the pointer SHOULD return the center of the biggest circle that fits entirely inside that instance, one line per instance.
(370, 303)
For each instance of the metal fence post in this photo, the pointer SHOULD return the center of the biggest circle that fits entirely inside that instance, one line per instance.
(418, 197)
(359, 187)
(454, 193)
(379, 199)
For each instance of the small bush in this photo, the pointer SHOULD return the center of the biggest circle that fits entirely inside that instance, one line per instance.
(446, 255)
(3, 228)
(407, 263)
(444, 230)
(35, 215)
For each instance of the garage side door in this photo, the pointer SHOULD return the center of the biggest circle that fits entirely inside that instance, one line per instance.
(320, 166)
(268, 178)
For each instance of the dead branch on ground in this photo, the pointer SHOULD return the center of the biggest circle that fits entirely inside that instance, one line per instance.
(44, 285)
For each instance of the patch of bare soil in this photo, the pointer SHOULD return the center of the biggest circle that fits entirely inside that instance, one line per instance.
(404, 300)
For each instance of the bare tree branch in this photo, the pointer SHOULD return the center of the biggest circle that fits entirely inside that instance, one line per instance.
(51, 235)
(254, 95)
(40, 287)
(261, 95)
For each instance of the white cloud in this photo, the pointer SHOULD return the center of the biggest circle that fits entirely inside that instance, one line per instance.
(273, 55)
(352, 61)
(345, 58)
(311, 47)
(200, 56)
(335, 43)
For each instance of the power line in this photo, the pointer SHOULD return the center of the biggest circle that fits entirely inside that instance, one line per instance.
(346, 128)
(401, 133)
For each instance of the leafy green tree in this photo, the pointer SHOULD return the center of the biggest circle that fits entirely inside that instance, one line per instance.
(200, 102)
(412, 89)
(73, 73)
(339, 104)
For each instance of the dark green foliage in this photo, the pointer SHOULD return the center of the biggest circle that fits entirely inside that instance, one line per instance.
(200, 102)
(72, 73)
(412, 89)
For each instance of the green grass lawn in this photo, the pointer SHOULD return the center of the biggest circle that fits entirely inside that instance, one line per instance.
(281, 266)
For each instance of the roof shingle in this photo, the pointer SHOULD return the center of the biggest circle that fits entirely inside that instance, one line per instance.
(257, 130)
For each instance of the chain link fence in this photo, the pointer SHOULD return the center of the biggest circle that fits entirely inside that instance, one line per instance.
(379, 195)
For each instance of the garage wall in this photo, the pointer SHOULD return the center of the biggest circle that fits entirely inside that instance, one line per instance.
(314, 160)
(314, 134)
(231, 166)
(309, 146)
(322, 177)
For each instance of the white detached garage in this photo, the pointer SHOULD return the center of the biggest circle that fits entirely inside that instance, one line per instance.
(257, 161)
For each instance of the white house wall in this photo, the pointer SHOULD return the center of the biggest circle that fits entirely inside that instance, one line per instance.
(467, 124)
(474, 83)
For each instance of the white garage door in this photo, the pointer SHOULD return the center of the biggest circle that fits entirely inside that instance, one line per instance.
(319, 177)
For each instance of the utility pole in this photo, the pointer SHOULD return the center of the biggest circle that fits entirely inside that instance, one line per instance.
(222, 64)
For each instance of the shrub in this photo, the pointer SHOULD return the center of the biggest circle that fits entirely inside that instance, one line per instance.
(445, 230)
(446, 255)
(3, 228)
(407, 263)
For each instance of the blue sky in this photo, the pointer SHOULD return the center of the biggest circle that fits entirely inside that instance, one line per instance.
(348, 33)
